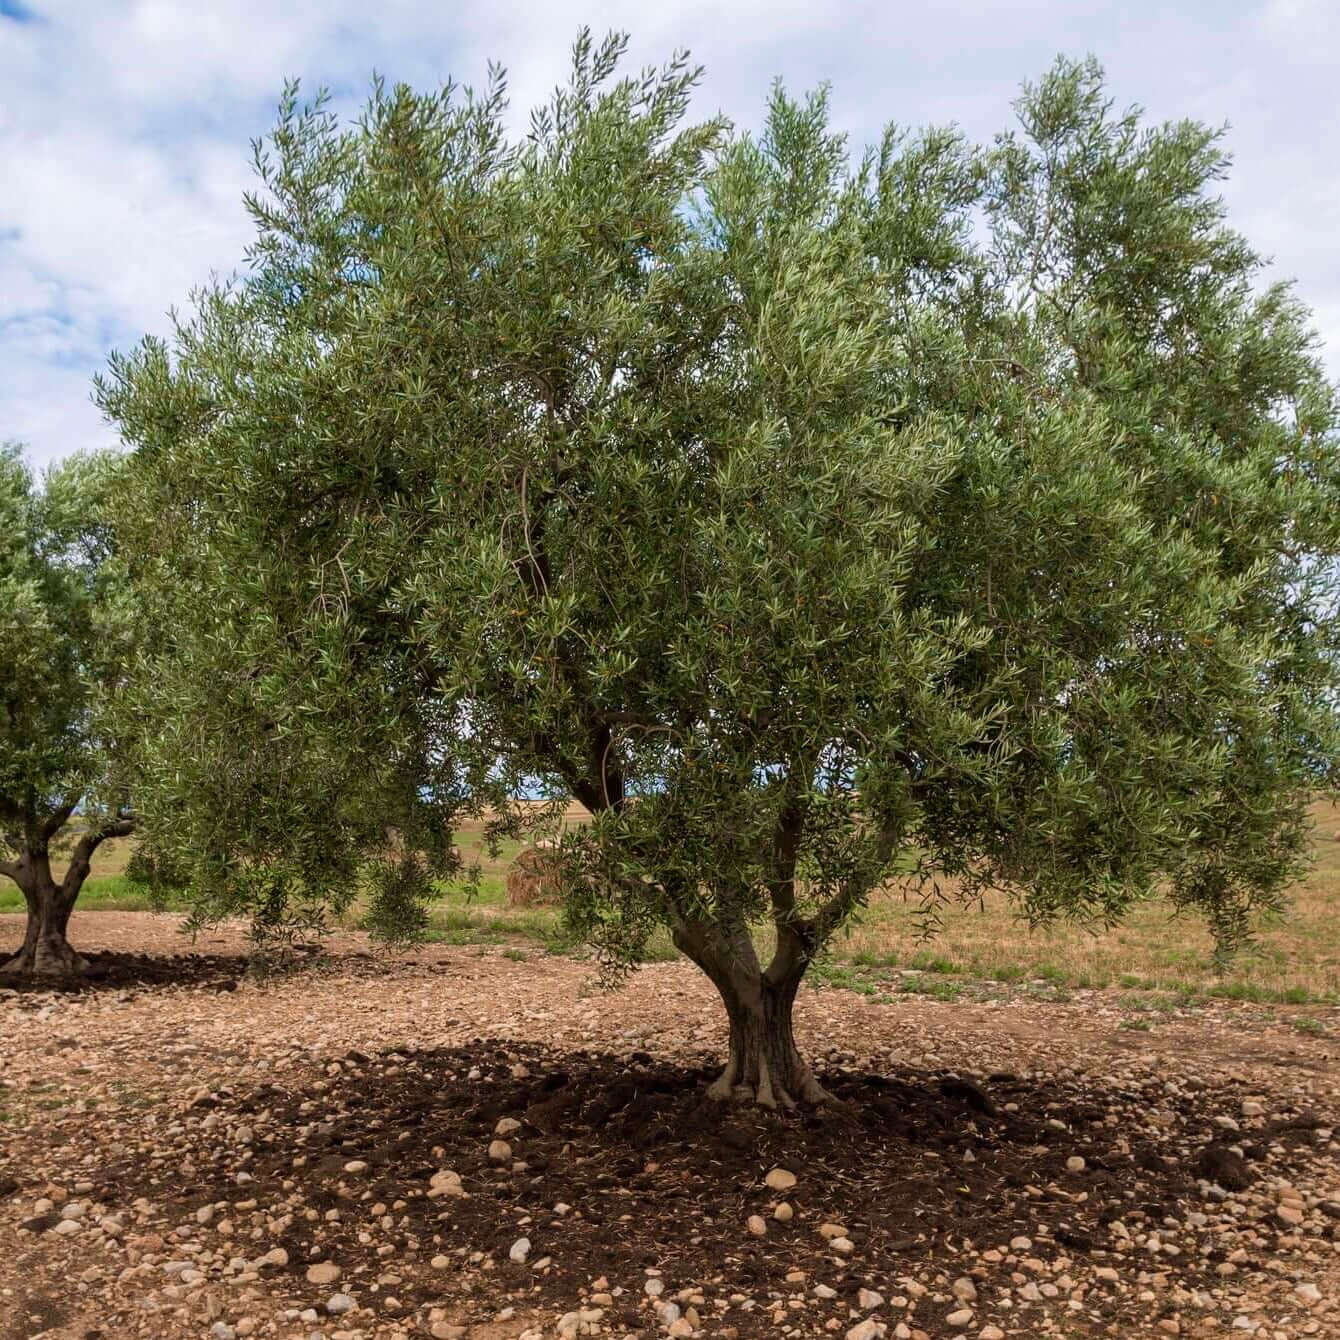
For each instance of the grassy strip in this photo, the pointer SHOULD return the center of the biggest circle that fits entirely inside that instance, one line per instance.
(108, 893)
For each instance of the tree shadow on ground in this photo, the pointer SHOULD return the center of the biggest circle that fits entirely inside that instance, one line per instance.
(616, 1165)
(117, 971)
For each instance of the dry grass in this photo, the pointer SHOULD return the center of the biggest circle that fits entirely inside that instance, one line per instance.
(1296, 957)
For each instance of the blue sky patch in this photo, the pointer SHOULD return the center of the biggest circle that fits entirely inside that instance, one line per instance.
(17, 12)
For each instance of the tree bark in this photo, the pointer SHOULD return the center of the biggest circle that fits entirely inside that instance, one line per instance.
(46, 950)
(765, 1065)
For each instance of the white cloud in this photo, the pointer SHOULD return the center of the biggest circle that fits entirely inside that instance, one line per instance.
(124, 128)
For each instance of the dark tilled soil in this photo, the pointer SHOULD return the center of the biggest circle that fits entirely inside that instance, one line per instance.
(925, 1171)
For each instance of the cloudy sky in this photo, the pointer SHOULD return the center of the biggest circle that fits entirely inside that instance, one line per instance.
(124, 127)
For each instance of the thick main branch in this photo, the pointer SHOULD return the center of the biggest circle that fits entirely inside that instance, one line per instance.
(81, 858)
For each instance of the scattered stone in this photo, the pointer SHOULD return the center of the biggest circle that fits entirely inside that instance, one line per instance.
(780, 1180)
(869, 1329)
(355, 1166)
(1309, 1293)
(339, 1303)
(519, 1250)
(1075, 1164)
(326, 1272)
(757, 1225)
(445, 1182)
(964, 1290)
(868, 1300)
(506, 1126)
(961, 1317)
(783, 1213)
(500, 1152)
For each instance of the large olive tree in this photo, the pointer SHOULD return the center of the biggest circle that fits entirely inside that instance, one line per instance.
(64, 633)
(803, 517)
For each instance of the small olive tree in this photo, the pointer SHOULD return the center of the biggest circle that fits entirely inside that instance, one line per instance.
(64, 630)
(962, 511)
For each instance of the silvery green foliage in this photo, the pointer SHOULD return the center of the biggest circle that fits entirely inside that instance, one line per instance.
(799, 512)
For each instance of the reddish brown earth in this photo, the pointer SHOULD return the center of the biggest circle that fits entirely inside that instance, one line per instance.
(217, 1137)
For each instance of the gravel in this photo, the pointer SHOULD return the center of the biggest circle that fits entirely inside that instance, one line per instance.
(1253, 1252)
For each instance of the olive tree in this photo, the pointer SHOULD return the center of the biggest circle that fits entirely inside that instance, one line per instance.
(64, 630)
(807, 516)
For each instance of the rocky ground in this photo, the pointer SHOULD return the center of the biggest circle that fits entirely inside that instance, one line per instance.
(459, 1144)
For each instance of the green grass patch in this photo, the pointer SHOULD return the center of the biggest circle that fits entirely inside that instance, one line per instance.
(106, 893)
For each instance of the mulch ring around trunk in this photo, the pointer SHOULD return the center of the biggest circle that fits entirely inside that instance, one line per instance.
(960, 1203)
(117, 971)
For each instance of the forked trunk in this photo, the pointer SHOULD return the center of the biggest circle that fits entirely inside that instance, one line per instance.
(765, 1066)
(46, 951)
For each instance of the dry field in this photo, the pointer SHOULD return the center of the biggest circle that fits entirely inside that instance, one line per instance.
(1155, 955)
(1154, 959)
(468, 1142)
(190, 1152)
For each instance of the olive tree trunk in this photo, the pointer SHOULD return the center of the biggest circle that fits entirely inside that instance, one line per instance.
(765, 1065)
(46, 949)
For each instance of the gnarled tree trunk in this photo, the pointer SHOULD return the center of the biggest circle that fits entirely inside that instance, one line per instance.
(46, 950)
(765, 1066)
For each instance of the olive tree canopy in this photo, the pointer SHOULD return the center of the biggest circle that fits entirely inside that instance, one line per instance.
(802, 514)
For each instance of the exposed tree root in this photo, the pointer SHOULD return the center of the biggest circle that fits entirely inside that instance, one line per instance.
(46, 958)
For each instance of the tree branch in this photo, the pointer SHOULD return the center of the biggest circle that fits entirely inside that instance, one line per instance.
(795, 939)
(10, 868)
(58, 818)
(836, 910)
(83, 853)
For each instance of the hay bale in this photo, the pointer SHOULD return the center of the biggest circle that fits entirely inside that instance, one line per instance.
(531, 882)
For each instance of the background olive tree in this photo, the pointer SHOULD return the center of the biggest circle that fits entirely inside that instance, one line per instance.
(65, 629)
(802, 515)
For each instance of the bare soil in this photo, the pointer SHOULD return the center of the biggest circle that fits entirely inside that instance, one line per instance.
(214, 1137)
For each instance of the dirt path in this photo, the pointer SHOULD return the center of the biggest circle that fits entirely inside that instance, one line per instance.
(195, 1134)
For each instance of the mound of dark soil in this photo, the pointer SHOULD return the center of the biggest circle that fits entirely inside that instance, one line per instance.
(618, 1166)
